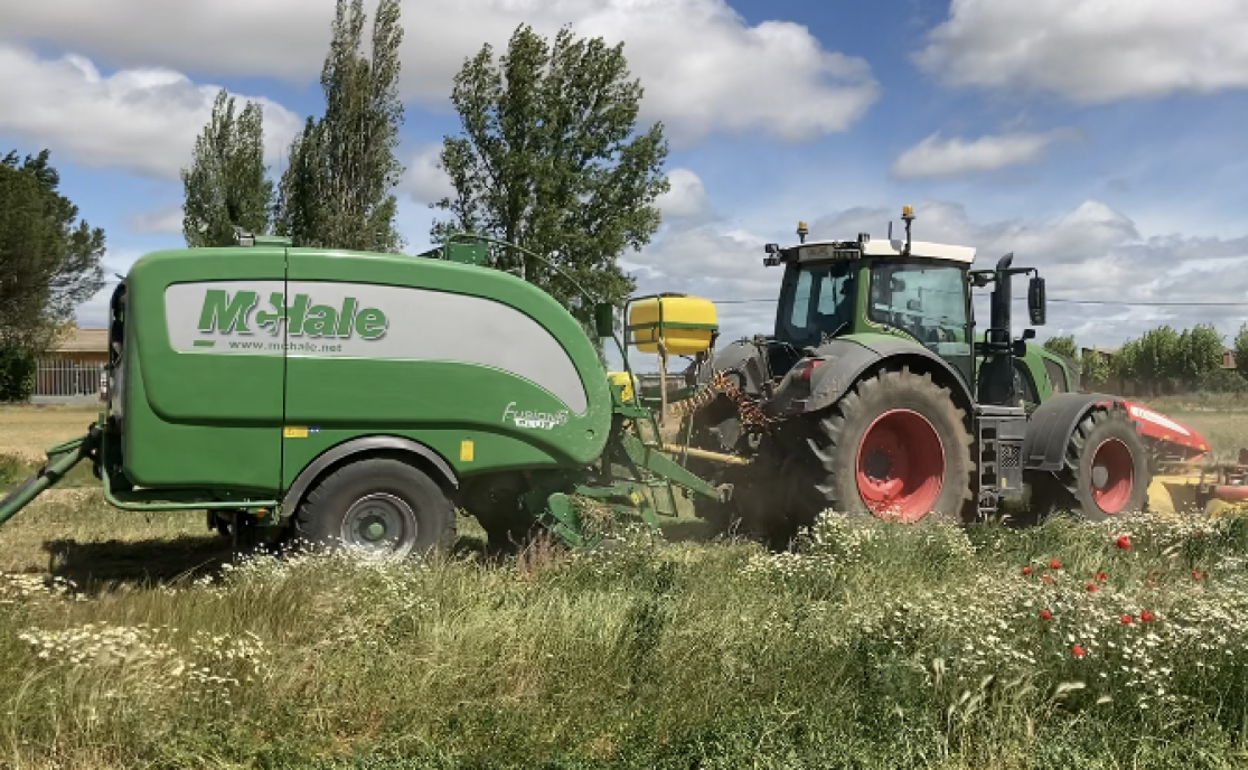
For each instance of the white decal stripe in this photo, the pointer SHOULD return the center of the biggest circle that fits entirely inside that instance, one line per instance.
(418, 324)
(1156, 419)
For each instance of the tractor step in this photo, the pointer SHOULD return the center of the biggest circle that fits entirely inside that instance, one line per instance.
(1000, 431)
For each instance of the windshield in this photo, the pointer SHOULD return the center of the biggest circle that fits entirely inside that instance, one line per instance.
(927, 300)
(819, 301)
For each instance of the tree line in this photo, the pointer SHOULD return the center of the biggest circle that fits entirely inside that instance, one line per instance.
(1164, 360)
(548, 157)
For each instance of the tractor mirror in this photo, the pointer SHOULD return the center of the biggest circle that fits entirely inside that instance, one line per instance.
(1036, 301)
(604, 319)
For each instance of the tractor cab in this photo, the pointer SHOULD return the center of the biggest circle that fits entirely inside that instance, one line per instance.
(914, 290)
(909, 289)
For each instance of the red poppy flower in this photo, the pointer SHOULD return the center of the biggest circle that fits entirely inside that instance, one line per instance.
(1102, 577)
(1146, 616)
(1045, 614)
(1196, 574)
(1126, 620)
(1054, 564)
(1026, 570)
(1077, 650)
(1091, 587)
(1123, 542)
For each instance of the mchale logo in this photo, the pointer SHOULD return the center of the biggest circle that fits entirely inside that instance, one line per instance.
(226, 315)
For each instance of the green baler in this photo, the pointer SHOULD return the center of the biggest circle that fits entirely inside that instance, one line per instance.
(359, 398)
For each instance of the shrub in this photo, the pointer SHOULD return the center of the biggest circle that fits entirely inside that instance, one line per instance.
(17, 374)
(1224, 381)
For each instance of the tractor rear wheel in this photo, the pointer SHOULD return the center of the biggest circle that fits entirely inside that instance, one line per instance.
(1106, 469)
(895, 447)
(378, 505)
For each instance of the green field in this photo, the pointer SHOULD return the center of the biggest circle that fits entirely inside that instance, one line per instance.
(129, 641)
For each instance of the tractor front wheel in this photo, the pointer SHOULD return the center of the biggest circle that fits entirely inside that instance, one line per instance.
(1107, 466)
(895, 447)
(378, 505)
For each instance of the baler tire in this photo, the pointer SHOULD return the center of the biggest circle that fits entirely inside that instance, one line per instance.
(1097, 430)
(918, 402)
(495, 502)
(428, 523)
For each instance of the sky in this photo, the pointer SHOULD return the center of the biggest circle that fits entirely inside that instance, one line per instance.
(1098, 141)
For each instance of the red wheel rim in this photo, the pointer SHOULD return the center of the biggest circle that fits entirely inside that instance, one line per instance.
(900, 466)
(1113, 475)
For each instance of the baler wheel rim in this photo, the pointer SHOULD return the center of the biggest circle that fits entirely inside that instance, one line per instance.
(372, 518)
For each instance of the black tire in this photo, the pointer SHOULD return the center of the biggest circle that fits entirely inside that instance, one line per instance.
(1104, 453)
(916, 408)
(380, 505)
(496, 503)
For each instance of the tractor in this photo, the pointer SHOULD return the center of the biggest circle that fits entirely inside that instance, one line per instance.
(877, 395)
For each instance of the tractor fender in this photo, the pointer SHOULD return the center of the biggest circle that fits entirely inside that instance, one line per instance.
(1050, 427)
(846, 360)
(336, 454)
(747, 361)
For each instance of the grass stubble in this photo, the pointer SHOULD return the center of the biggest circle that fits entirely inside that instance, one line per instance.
(132, 641)
(873, 646)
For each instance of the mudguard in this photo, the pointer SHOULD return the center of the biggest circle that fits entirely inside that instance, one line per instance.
(745, 358)
(355, 446)
(1051, 425)
(845, 360)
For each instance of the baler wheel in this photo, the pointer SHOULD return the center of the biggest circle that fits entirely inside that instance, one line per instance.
(895, 447)
(378, 505)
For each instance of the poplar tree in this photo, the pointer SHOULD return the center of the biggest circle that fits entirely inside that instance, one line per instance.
(337, 190)
(227, 184)
(549, 159)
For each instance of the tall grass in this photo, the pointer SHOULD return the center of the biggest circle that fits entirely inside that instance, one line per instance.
(874, 646)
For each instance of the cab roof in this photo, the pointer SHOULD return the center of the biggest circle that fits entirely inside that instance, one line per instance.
(815, 250)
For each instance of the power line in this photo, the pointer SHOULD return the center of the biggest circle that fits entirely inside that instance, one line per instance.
(1059, 300)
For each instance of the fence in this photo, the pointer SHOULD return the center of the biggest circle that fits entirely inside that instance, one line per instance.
(68, 378)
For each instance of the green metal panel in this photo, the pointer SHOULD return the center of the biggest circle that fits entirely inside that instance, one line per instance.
(470, 354)
(1033, 362)
(195, 417)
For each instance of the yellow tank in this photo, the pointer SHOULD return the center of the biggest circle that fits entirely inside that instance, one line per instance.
(629, 383)
(686, 327)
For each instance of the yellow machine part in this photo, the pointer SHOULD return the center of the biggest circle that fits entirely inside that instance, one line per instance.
(1174, 495)
(629, 383)
(695, 316)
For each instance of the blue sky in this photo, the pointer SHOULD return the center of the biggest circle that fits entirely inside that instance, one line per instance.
(1098, 140)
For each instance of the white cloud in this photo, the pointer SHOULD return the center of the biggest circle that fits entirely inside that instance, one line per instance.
(1092, 51)
(936, 156)
(424, 180)
(704, 68)
(686, 196)
(143, 120)
(162, 221)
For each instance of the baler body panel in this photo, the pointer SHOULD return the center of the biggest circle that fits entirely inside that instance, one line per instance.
(468, 355)
(245, 364)
(199, 418)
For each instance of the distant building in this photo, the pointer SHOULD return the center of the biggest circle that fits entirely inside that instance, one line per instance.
(74, 369)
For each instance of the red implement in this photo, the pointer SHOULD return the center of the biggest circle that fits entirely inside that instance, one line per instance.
(1167, 439)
